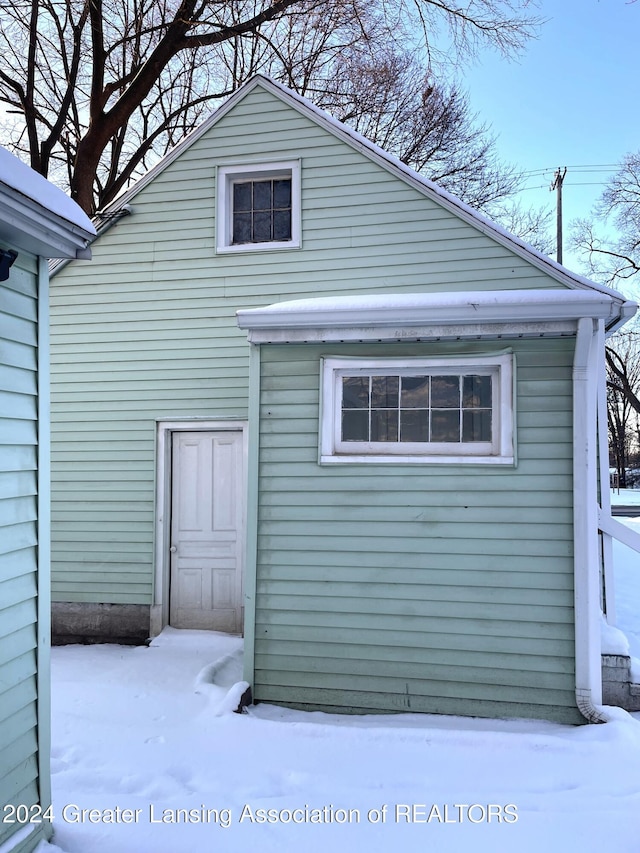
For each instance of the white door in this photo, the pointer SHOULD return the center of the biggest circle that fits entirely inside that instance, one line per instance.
(207, 531)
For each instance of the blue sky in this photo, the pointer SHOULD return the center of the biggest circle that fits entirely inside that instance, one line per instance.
(571, 99)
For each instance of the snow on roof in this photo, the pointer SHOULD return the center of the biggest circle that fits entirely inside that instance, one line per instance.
(426, 301)
(20, 177)
(383, 310)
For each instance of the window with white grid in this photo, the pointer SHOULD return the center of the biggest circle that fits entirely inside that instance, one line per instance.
(418, 409)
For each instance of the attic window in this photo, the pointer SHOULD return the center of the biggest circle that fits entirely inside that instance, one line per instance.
(261, 211)
(417, 410)
(258, 207)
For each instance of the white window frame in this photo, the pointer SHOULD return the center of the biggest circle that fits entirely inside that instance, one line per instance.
(498, 452)
(226, 177)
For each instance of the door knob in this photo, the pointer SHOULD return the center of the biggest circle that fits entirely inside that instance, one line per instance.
(173, 549)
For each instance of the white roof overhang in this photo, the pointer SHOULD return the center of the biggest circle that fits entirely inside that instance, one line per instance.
(37, 217)
(28, 226)
(433, 316)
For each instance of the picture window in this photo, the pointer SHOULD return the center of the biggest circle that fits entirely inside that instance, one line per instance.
(422, 409)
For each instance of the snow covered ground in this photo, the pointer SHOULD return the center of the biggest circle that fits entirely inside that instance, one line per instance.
(144, 736)
(625, 497)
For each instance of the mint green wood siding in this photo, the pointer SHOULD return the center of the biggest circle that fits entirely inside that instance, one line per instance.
(148, 330)
(18, 542)
(442, 588)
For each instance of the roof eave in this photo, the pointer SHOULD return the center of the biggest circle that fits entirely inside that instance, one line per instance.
(29, 226)
(538, 310)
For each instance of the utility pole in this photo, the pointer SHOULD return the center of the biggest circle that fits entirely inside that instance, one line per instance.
(558, 180)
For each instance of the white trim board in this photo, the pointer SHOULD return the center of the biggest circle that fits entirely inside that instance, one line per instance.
(227, 175)
(499, 451)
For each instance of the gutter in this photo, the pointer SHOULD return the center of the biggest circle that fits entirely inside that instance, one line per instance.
(542, 311)
(585, 526)
(626, 311)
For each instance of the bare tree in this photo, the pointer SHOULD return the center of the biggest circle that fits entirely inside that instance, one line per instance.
(610, 243)
(618, 414)
(97, 87)
(622, 365)
(614, 257)
(623, 399)
(532, 225)
(387, 97)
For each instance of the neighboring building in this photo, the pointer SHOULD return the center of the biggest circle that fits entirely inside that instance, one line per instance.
(271, 200)
(37, 221)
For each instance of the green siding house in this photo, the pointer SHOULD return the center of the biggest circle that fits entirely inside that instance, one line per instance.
(37, 222)
(391, 488)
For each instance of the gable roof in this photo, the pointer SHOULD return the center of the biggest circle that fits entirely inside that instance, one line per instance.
(375, 153)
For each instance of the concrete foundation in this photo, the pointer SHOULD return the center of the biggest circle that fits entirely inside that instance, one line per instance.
(80, 622)
(617, 687)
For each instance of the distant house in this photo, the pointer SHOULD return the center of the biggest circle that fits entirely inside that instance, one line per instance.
(416, 496)
(37, 221)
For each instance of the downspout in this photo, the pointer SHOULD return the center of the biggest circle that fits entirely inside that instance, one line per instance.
(251, 553)
(608, 582)
(43, 650)
(585, 526)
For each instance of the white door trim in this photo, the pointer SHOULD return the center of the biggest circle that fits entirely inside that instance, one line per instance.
(165, 430)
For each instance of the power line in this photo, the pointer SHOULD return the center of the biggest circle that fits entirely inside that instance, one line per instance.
(604, 167)
(587, 183)
(570, 183)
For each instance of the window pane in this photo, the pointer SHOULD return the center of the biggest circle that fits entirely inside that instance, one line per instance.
(415, 392)
(414, 425)
(445, 426)
(476, 425)
(444, 409)
(445, 392)
(270, 203)
(384, 391)
(384, 425)
(355, 425)
(241, 228)
(476, 392)
(261, 227)
(282, 225)
(262, 195)
(355, 392)
(242, 196)
(282, 193)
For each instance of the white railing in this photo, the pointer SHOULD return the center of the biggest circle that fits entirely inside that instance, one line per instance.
(611, 527)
